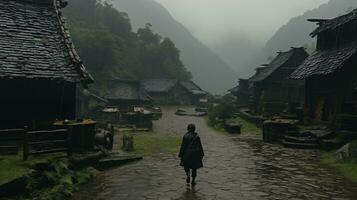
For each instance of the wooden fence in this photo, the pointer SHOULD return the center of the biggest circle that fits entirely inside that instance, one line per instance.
(45, 142)
(11, 140)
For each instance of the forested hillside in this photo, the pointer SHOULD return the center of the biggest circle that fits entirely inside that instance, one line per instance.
(110, 49)
(208, 69)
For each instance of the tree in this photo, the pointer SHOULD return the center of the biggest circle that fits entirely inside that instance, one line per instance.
(110, 49)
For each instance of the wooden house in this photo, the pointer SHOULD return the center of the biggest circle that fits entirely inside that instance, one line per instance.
(125, 94)
(174, 92)
(233, 91)
(330, 72)
(196, 96)
(273, 91)
(255, 100)
(39, 67)
(89, 103)
(243, 93)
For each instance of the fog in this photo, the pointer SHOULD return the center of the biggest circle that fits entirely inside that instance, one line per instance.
(252, 20)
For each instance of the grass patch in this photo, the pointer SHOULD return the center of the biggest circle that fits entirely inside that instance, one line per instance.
(348, 169)
(150, 143)
(248, 127)
(217, 127)
(13, 167)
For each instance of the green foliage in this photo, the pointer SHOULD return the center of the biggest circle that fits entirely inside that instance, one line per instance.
(110, 49)
(57, 183)
(11, 167)
(153, 143)
(224, 110)
(348, 169)
(84, 176)
(248, 127)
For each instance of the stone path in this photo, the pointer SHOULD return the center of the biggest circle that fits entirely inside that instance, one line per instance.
(235, 168)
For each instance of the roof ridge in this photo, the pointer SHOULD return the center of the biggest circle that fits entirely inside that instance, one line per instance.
(40, 2)
(326, 24)
(87, 78)
(330, 60)
(283, 56)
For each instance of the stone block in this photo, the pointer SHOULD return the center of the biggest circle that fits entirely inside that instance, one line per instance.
(128, 143)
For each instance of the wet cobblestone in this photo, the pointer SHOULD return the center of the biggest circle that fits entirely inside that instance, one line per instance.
(235, 168)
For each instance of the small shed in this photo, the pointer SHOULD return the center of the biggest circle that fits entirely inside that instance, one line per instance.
(330, 72)
(273, 91)
(89, 104)
(173, 92)
(243, 93)
(197, 96)
(39, 67)
(125, 94)
(162, 90)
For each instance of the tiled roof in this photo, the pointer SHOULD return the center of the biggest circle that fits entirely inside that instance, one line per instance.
(127, 90)
(192, 88)
(89, 94)
(35, 43)
(281, 59)
(159, 85)
(260, 74)
(323, 62)
(334, 23)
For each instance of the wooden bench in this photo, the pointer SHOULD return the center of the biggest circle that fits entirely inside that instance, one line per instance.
(46, 142)
(10, 141)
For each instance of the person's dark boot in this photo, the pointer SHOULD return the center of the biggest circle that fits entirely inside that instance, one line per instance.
(188, 180)
(193, 183)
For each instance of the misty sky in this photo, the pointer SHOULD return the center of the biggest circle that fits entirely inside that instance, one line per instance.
(255, 20)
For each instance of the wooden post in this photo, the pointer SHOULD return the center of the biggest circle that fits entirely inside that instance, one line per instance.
(69, 141)
(111, 138)
(128, 142)
(25, 144)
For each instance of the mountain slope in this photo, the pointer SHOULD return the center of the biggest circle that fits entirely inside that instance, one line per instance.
(208, 70)
(109, 49)
(238, 53)
(296, 32)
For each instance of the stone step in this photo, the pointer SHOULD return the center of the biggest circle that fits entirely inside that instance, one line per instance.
(293, 133)
(300, 145)
(301, 140)
(116, 161)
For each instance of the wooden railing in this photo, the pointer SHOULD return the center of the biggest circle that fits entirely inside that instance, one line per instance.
(11, 141)
(46, 142)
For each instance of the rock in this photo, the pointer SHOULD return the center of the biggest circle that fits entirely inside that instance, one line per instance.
(347, 152)
(117, 160)
(190, 112)
(128, 143)
(275, 130)
(232, 127)
(79, 161)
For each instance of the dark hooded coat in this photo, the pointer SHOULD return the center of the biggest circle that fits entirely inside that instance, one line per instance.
(191, 152)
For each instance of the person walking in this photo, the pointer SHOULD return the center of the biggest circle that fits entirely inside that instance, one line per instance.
(191, 153)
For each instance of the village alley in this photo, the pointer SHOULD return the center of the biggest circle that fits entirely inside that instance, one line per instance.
(236, 167)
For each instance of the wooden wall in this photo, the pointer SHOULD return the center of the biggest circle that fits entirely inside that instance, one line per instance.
(26, 101)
